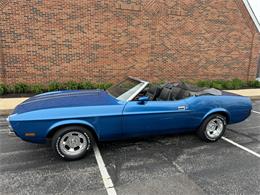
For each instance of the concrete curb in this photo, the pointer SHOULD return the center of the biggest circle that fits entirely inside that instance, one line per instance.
(255, 98)
(5, 112)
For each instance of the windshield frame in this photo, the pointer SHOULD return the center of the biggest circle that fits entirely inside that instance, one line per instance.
(131, 97)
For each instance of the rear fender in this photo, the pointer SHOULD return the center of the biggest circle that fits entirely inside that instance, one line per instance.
(217, 110)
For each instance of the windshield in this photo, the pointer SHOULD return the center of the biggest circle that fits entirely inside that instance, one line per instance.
(126, 89)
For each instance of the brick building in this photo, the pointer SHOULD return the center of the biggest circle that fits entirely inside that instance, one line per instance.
(105, 40)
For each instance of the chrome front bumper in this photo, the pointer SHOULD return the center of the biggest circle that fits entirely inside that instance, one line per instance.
(11, 131)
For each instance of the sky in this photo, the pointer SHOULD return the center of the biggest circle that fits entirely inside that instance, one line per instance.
(255, 4)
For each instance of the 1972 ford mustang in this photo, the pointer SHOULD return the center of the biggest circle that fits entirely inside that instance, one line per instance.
(73, 119)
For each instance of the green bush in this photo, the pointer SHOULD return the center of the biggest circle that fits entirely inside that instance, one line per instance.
(204, 83)
(238, 84)
(9, 89)
(72, 85)
(54, 86)
(230, 84)
(88, 85)
(2, 89)
(254, 84)
(102, 85)
(21, 88)
(36, 89)
(217, 85)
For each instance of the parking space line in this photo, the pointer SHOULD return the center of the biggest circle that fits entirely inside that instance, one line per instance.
(4, 129)
(108, 183)
(241, 147)
(255, 112)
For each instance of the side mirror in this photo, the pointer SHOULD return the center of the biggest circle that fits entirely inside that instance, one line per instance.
(143, 99)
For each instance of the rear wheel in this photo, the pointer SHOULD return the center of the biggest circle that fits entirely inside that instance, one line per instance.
(212, 128)
(72, 142)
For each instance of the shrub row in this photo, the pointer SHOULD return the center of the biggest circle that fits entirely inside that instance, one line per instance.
(21, 88)
(230, 84)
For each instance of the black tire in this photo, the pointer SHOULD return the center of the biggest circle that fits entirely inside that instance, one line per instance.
(205, 134)
(72, 136)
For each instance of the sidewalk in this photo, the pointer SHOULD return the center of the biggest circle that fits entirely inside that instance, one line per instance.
(254, 94)
(8, 104)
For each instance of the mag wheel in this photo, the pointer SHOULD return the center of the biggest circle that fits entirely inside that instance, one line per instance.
(212, 128)
(72, 142)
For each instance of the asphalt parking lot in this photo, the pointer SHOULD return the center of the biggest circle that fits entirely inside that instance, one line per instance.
(177, 164)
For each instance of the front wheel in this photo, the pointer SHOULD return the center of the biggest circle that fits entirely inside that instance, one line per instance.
(212, 128)
(72, 142)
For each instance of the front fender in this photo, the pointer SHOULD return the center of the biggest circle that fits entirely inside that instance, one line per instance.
(72, 122)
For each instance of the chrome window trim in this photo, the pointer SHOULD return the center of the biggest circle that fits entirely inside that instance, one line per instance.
(139, 90)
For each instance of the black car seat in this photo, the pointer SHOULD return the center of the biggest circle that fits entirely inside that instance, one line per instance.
(183, 94)
(175, 91)
(164, 95)
(189, 87)
(153, 92)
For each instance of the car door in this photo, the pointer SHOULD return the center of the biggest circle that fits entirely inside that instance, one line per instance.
(155, 117)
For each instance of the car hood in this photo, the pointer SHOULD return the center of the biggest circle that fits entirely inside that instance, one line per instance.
(69, 98)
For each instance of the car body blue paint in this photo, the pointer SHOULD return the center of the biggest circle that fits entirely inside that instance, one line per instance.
(154, 117)
(63, 99)
(112, 119)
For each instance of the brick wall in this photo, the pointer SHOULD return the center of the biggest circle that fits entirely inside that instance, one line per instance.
(106, 40)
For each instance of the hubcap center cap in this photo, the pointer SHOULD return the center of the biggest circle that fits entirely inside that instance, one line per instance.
(73, 142)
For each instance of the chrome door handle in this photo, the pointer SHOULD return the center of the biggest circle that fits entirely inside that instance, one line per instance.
(181, 107)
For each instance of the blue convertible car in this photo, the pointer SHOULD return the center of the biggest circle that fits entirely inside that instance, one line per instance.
(72, 119)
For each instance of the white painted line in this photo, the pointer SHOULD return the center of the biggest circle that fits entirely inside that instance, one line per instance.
(11, 136)
(104, 173)
(4, 129)
(241, 147)
(174, 163)
(178, 167)
(4, 132)
(255, 112)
